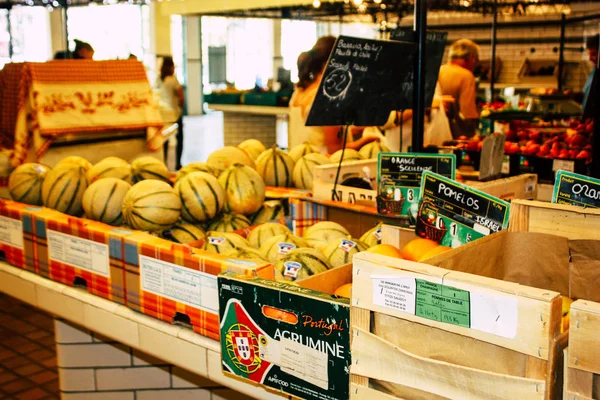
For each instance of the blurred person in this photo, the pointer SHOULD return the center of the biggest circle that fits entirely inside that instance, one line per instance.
(83, 50)
(592, 44)
(456, 79)
(311, 65)
(171, 94)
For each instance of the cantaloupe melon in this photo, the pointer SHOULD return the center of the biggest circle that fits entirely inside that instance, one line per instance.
(349, 155)
(103, 200)
(304, 170)
(264, 231)
(196, 167)
(277, 247)
(202, 198)
(299, 151)
(340, 251)
(276, 168)
(25, 183)
(110, 167)
(301, 263)
(320, 234)
(222, 242)
(244, 189)
(76, 161)
(224, 158)
(271, 210)
(246, 253)
(150, 168)
(253, 147)
(228, 222)
(151, 205)
(184, 233)
(63, 189)
(372, 237)
(371, 150)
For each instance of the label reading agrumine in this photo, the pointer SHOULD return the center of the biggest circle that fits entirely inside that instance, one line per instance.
(399, 180)
(453, 214)
(285, 248)
(347, 245)
(576, 189)
(306, 356)
(291, 269)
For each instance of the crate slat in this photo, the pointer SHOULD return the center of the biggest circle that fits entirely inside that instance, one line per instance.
(376, 358)
(573, 222)
(584, 343)
(358, 392)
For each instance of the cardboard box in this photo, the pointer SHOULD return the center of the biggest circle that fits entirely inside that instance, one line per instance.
(24, 235)
(356, 218)
(294, 339)
(87, 253)
(177, 283)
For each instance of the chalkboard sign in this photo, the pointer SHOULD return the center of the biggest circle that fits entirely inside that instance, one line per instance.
(453, 214)
(399, 180)
(363, 82)
(576, 189)
(435, 44)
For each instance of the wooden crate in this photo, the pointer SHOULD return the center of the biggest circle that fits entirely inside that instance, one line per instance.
(582, 368)
(517, 187)
(429, 359)
(324, 180)
(573, 222)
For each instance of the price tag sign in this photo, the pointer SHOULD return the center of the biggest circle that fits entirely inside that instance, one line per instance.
(399, 180)
(453, 214)
(364, 80)
(576, 189)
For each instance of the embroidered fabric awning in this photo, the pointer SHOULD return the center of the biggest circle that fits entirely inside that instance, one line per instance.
(41, 101)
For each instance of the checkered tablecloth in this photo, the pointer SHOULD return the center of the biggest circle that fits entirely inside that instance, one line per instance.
(41, 101)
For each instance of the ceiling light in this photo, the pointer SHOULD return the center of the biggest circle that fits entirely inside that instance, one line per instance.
(383, 6)
(377, 1)
(316, 3)
(362, 8)
(357, 2)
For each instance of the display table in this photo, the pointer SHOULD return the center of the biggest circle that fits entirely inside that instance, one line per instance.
(172, 344)
(241, 122)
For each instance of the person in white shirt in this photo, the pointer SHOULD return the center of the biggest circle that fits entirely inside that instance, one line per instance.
(171, 93)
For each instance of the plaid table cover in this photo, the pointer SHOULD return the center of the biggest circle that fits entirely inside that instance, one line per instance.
(41, 101)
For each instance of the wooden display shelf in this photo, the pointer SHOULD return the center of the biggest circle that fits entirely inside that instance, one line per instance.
(174, 344)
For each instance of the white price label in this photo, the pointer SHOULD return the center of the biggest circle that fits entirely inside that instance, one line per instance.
(181, 284)
(11, 232)
(79, 253)
(565, 165)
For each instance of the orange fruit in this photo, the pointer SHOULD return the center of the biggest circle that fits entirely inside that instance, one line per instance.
(434, 252)
(385, 250)
(344, 290)
(417, 248)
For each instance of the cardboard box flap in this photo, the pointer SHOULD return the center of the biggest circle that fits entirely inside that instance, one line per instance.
(585, 269)
(531, 259)
(284, 287)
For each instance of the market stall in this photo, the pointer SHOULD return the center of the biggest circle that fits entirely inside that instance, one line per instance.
(362, 274)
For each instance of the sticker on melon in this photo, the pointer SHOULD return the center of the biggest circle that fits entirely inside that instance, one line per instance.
(291, 269)
(285, 248)
(347, 245)
(218, 241)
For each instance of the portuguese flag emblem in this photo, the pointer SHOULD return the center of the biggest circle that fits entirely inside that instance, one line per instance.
(240, 348)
